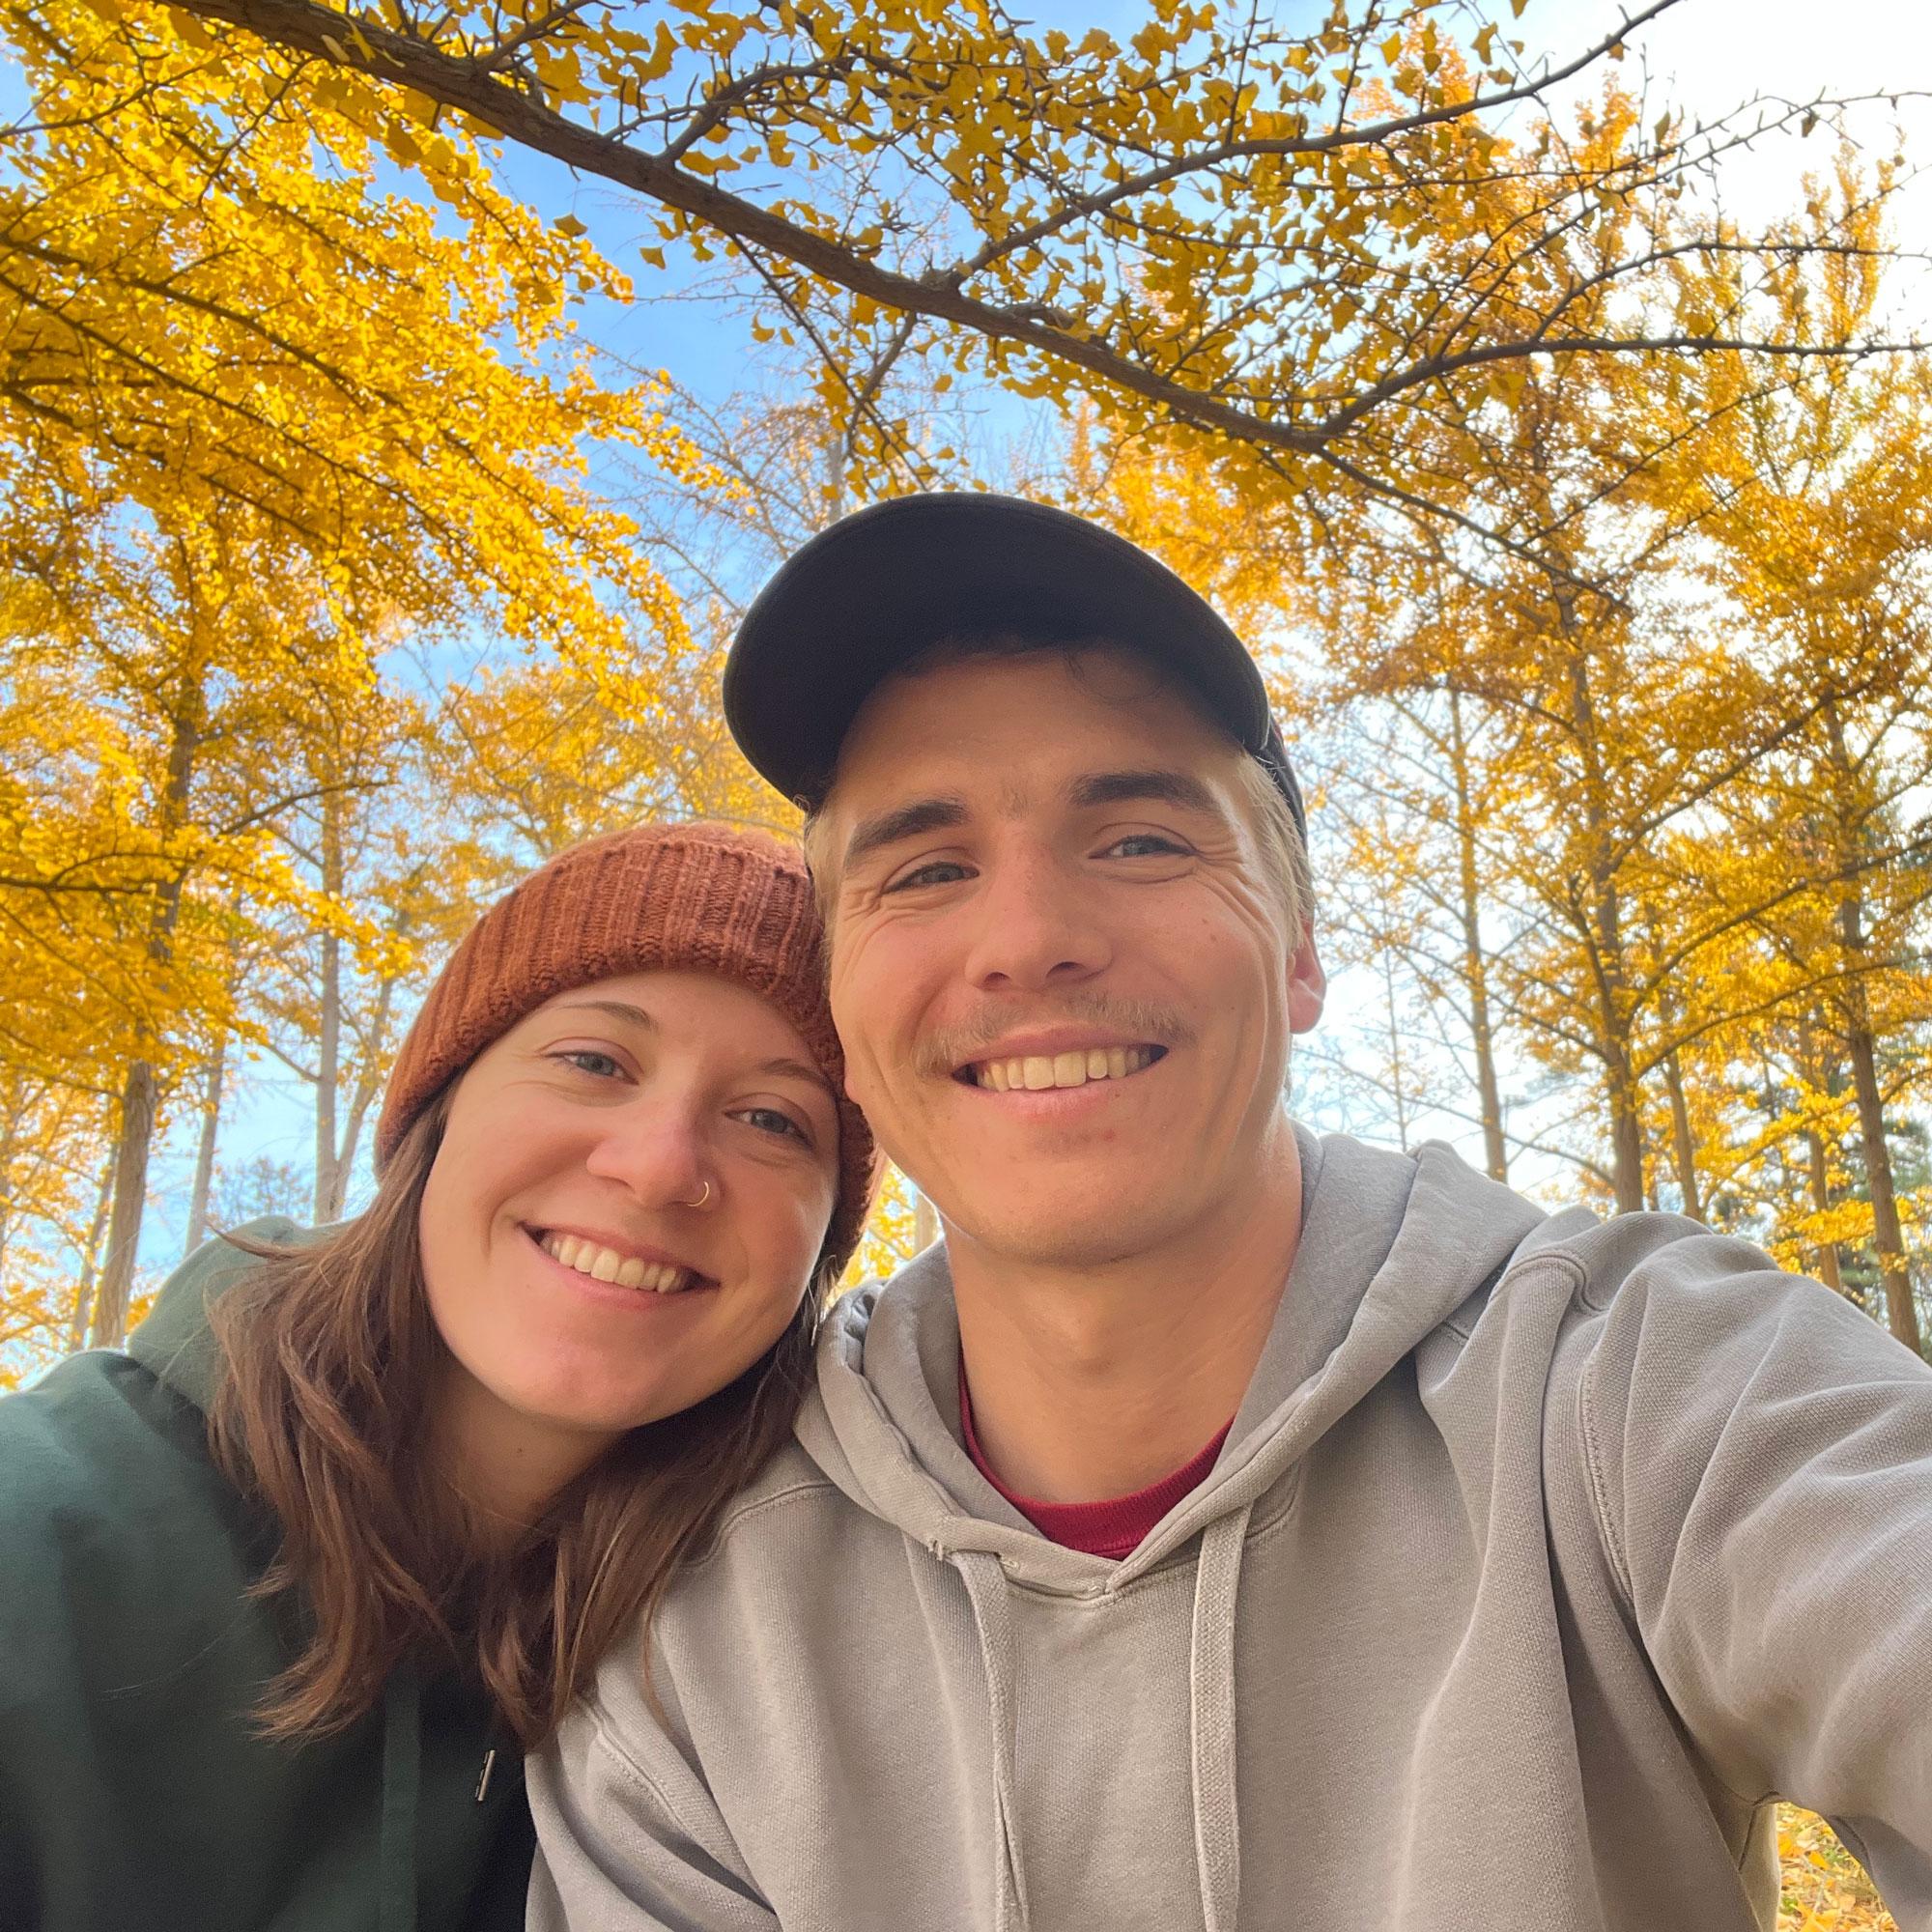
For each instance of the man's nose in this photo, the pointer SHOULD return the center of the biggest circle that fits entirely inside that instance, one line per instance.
(1036, 928)
(657, 1148)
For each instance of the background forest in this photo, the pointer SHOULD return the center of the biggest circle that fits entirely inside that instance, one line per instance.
(356, 552)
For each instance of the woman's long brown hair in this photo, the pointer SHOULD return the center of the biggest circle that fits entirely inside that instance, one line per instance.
(329, 1354)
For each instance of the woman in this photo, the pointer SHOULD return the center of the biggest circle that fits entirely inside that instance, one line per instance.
(289, 1586)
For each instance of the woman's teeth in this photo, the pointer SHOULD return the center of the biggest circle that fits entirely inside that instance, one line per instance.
(605, 1265)
(1034, 1072)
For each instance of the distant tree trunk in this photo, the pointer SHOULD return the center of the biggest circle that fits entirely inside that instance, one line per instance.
(1475, 962)
(7, 1185)
(204, 1158)
(1901, 1311)
(139, 1094)
(329, 1163)
(1606, 940)
(1861, 1049)
(368, 1083)
(1826, 1252)
(90, 1259)
(1684, 1147)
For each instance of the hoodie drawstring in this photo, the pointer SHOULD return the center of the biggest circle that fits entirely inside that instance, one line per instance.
(1210, 1716)
(1211, 1707)
(987, 1589)
(402, 1773)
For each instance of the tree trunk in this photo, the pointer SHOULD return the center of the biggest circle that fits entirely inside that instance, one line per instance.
(369, 1083)
(1684, 1147)
(90, 1259)
(328, 1165)
(1475, 962)
(1901, 1311)
(1606, 942)
(328, 1053)
(109, 1324)
(141, 1091)
(204, 1158)
(7, 1184)
(1828, 1270)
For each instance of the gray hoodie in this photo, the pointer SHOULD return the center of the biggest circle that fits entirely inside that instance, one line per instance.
(1541, 1555)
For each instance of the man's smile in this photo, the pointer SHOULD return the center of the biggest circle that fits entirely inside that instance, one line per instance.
(1068, 1066)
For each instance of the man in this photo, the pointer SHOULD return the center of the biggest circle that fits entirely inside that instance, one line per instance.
(1224, 1526)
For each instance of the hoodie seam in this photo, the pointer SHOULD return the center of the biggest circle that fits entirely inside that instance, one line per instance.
(1504, 1278)
(1589, 1447)
(607, 1741)
(807, 1487)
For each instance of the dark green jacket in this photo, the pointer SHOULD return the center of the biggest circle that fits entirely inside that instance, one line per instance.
(135, 1793)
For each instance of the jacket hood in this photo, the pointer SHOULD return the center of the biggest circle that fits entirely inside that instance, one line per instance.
(176, 1346)
(1391, 1247)
(174, 1343)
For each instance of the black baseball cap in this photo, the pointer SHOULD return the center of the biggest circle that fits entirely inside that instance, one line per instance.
(848, 608)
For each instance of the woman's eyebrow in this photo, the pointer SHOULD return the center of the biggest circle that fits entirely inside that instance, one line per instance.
(796, 1069)
(616, 1009)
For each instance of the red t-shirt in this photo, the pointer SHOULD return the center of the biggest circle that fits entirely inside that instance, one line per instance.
(1112, 1529)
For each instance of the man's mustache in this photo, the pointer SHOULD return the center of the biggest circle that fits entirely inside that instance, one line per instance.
(942, 1054)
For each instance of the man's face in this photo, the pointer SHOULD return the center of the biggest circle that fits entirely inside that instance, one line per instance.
(1061, 967)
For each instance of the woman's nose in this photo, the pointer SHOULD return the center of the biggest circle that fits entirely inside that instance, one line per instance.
(658, 1152)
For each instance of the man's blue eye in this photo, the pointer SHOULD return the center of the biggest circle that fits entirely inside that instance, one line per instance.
(1149, 844)
(939, 873)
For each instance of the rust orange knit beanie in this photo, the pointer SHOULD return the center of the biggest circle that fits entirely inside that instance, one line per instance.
(695, 897)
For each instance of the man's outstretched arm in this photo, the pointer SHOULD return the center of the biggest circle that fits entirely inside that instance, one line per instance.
(1761, 1457)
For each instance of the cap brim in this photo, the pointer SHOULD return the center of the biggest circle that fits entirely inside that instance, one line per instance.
(873, 591)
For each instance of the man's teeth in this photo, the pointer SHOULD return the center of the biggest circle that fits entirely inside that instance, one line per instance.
(1036, 1071)
(605, 1265)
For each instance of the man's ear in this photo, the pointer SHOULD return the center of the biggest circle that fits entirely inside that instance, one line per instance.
(1307, 985)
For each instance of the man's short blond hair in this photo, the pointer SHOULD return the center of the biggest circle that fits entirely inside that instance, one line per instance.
(1271, 817)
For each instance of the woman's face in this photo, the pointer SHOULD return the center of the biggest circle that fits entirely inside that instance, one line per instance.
(630, 1192)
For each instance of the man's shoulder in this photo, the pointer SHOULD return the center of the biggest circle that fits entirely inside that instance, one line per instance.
(1672, 1299)
(791, 1485)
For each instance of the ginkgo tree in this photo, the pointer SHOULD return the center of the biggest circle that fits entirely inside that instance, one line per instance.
(262, 414)
(211, 308)
(1303, 245)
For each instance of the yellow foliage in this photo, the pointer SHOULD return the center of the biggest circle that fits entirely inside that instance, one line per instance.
(1824, 1888)
(208, 310)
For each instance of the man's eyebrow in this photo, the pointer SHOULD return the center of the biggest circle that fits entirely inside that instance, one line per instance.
(1178, 788)
(902, 821)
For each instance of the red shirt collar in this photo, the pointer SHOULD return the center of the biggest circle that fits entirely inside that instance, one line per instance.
(1112, 1529)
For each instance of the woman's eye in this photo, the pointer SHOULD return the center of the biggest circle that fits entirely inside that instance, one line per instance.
(773, 1121)
(1146, 845)
(935, 872)
(587, 1059)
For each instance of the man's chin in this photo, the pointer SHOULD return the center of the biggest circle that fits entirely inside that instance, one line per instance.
(1082, 1234)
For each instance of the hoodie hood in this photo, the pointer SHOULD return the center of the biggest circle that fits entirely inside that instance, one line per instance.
(1391, 1247)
